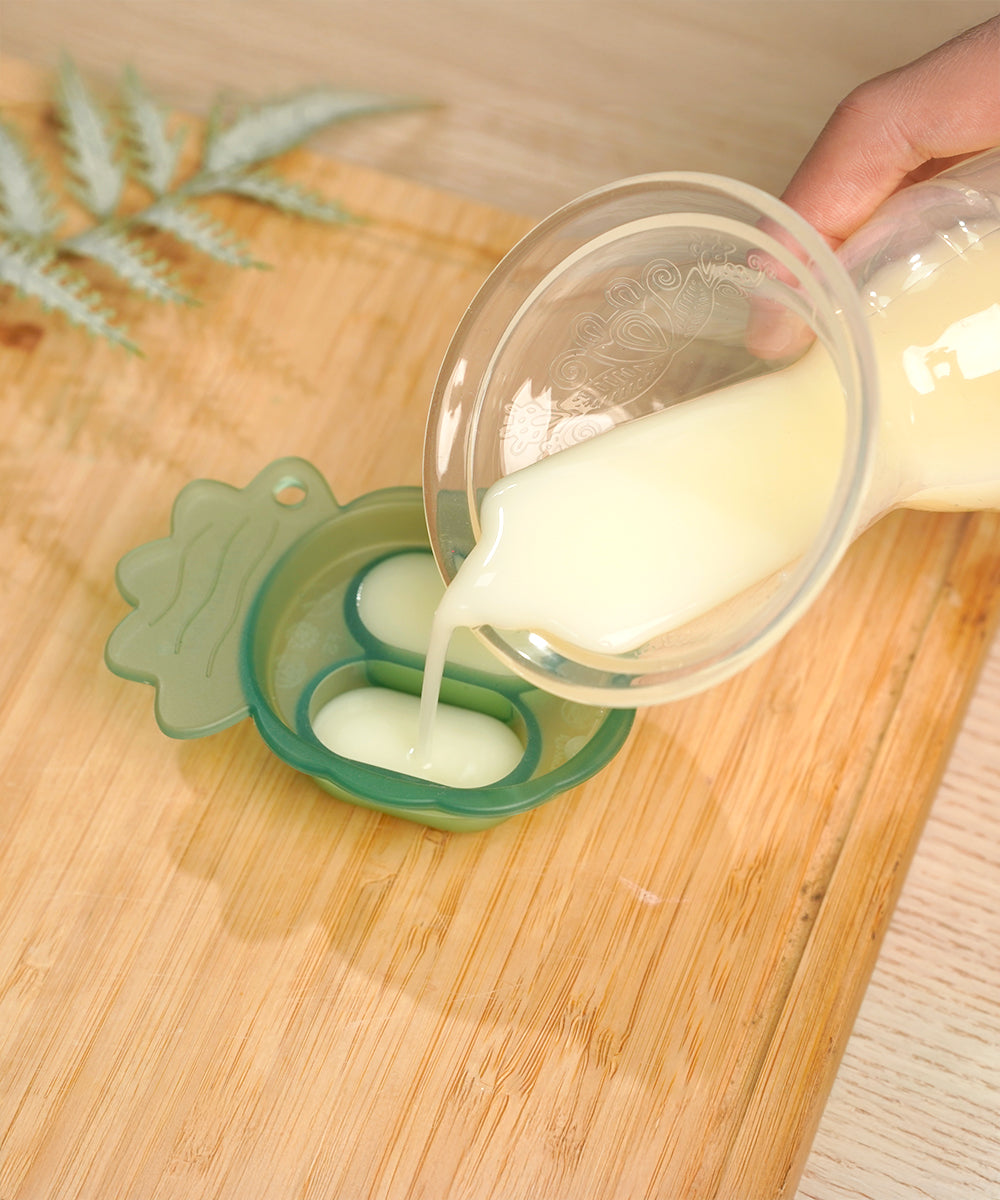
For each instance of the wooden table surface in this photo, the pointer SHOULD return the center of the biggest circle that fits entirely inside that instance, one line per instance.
(540, 101)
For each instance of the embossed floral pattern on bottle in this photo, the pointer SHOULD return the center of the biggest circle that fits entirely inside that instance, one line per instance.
(620, 352)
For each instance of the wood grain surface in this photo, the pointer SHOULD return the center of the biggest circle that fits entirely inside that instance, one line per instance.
(209, 972)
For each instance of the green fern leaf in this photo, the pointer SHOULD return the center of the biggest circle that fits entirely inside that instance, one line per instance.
(154, 152)
(196, 228)
(139, 267)
(33, 270)
(26, 204)
(39, 265)
(270, 129)
(89, 145)
(279, 193)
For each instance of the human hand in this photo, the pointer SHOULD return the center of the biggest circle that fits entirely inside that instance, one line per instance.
(899, 128)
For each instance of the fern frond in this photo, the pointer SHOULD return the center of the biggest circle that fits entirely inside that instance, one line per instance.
(154, 151)
(269, 129)
(41, 266)
(33, 270)
(270, 189)
(26, 204)
(135, 264)
(196, 228)
(90, 148)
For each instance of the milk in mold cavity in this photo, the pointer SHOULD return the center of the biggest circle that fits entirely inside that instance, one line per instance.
(396, 603)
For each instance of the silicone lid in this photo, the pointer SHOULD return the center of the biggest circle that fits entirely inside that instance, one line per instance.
(191, 591)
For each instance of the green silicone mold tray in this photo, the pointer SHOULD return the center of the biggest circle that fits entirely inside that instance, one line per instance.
(247, 609)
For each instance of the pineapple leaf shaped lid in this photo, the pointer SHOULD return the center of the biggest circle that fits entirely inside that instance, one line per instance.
(191, 591)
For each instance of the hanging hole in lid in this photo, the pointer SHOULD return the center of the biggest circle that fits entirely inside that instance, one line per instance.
(289, 492)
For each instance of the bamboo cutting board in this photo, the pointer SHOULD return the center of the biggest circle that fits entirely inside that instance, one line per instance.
(217, 981)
